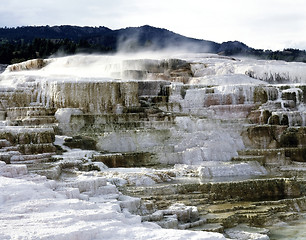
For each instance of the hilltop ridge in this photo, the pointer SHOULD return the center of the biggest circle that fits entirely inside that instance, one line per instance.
(23, 43)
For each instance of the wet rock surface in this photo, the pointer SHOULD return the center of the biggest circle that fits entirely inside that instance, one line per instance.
(2, 67)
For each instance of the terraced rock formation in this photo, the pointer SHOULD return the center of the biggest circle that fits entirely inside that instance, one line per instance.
(202, 145)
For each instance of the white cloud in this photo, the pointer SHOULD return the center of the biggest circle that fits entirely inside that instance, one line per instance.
(258, 23)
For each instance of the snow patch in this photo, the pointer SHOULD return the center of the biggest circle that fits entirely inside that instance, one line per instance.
(31, 209)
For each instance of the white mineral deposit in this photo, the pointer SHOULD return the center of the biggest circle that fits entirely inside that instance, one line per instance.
(181, 146)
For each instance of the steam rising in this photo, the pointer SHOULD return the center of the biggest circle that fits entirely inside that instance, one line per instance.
(102, 66)
(136, 40)
(193, 68)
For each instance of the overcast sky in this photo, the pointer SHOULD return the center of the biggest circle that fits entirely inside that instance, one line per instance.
(264, 24)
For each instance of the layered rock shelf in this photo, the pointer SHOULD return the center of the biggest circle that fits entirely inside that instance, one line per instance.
(204, 143)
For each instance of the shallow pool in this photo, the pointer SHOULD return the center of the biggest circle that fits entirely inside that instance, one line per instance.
(289, 231)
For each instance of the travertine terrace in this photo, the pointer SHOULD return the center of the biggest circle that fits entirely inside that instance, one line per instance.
(201, 142)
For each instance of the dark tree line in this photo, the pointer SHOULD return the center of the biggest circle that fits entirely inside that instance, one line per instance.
(288, 55)
(18, 51)
(23, 43)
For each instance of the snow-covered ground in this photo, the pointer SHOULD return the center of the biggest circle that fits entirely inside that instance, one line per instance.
(32, 207)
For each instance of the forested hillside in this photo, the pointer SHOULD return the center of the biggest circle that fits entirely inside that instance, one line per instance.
(23, 43)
